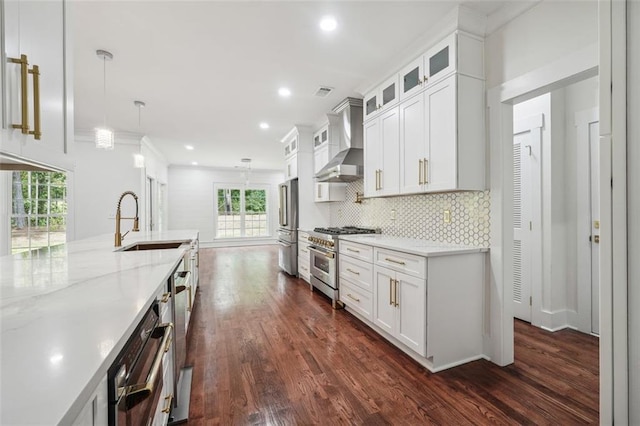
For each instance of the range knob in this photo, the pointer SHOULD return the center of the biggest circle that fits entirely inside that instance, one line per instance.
(331, 244)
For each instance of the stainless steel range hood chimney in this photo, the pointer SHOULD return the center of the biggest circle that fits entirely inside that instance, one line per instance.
(348, 164)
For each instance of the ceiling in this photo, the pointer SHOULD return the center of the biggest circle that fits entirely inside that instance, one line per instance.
(209, 71)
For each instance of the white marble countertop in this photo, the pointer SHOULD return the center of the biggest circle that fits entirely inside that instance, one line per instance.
(65, 313)
(412, 245)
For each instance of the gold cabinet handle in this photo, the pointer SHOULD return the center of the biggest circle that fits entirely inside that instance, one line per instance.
(190, 295)
(168, 400)
(420, 161)
(425, 78)
(165, 298)
(354, 298)
(37, 133)
(353, 272)
(391, 291)
(395, 293)
(24, 70)
(425, 173)
(399, 262)
(353, 250)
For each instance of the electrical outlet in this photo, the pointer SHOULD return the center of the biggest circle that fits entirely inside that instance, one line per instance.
(447, 216)
(340, 213)
(393, 214)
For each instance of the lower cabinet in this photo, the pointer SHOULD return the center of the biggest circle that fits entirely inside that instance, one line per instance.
(431, 307)
(304, 270)
(401, 307)
(163, 410)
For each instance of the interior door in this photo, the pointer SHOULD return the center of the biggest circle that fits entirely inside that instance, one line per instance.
(594, 145)
(527, 230)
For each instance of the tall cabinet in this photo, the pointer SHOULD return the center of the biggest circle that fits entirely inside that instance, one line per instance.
(432, 138)
(37, 98)
(326, 144)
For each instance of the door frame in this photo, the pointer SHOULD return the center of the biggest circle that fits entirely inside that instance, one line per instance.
(583, 120)
(578, 66)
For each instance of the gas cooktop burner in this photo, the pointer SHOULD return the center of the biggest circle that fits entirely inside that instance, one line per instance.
(346, 230)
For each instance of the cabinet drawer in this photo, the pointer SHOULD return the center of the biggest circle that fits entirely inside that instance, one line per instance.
(357, 299)
(359, 251)
(403, 262)
(303, 249)
(357, 271)
(303, 268)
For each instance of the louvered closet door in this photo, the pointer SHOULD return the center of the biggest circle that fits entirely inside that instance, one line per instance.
(521, 227)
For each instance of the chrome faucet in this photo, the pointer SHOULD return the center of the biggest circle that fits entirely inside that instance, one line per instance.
(120, 237)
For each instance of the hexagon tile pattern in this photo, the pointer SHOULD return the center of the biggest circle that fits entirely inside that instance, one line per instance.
(420, 216)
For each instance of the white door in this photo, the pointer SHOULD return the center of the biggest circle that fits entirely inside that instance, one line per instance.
(383, 309)
(412, 144)
(594, 132)
(440, 106)
(527, 256)
(411, 294)
(390, 161)
(588, 221)
(372, 154)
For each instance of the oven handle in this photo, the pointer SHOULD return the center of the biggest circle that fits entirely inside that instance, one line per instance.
(329, 254)
(140, 391)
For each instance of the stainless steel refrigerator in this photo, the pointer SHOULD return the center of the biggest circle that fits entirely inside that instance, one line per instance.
(288, 226)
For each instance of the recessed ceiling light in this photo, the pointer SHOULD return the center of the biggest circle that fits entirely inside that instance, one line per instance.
(328, 23)
(194, 163)
(284, 92)
(189, 147)
(264, 125)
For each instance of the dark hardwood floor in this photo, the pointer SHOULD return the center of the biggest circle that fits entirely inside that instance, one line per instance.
(266, 350)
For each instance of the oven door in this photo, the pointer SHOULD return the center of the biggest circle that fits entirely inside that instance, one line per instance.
(138, 397)
(323, 265)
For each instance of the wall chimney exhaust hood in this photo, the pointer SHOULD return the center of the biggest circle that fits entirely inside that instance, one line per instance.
(348, 164)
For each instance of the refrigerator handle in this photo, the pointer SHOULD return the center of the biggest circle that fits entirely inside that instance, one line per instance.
(284, 206)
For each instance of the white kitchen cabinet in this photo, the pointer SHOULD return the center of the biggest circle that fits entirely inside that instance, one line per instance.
(459, 52)
(400, 307)
(382, 97)
(442, 137)
(291, 167)
(355, 273)
(326, 144)
(95, 411)
(304, 270)
(36, 30)
(381, 154)
(163, 409)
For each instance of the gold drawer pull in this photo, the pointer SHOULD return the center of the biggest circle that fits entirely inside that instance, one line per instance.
(165, 298)
(351, 297)
(399, 262)
(353, 272)
(353, 250)
(167, 406)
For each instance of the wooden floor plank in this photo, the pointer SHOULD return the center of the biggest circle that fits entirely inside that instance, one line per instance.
(266, 350)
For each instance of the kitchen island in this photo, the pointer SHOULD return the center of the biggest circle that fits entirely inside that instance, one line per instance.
(66, 312)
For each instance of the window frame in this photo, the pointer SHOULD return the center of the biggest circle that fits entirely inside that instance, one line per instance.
(242, 188)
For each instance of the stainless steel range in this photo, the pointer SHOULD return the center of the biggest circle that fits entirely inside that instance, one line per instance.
(324, 250)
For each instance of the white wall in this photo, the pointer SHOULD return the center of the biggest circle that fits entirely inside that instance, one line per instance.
(545, 33)
(100, 177)
(633, 194)
(192, 200)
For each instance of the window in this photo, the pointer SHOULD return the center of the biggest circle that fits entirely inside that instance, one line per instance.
(38, 210)
(241, 212)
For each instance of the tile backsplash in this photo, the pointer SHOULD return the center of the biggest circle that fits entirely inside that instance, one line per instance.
(419, 216)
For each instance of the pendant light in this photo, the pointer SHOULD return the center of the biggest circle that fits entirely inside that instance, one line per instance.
(138, 159)
(104, 136)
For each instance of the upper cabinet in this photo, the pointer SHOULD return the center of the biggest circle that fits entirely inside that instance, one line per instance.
(382, 97)
(433, 140)
(457, 53)
(326, 144)
(36, 96)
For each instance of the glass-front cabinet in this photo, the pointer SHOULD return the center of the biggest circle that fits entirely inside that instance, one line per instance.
(382, 97)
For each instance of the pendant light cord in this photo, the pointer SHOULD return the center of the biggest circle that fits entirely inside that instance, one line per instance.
(104, 80)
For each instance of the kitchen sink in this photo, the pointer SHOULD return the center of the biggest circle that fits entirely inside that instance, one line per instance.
(152, 245)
